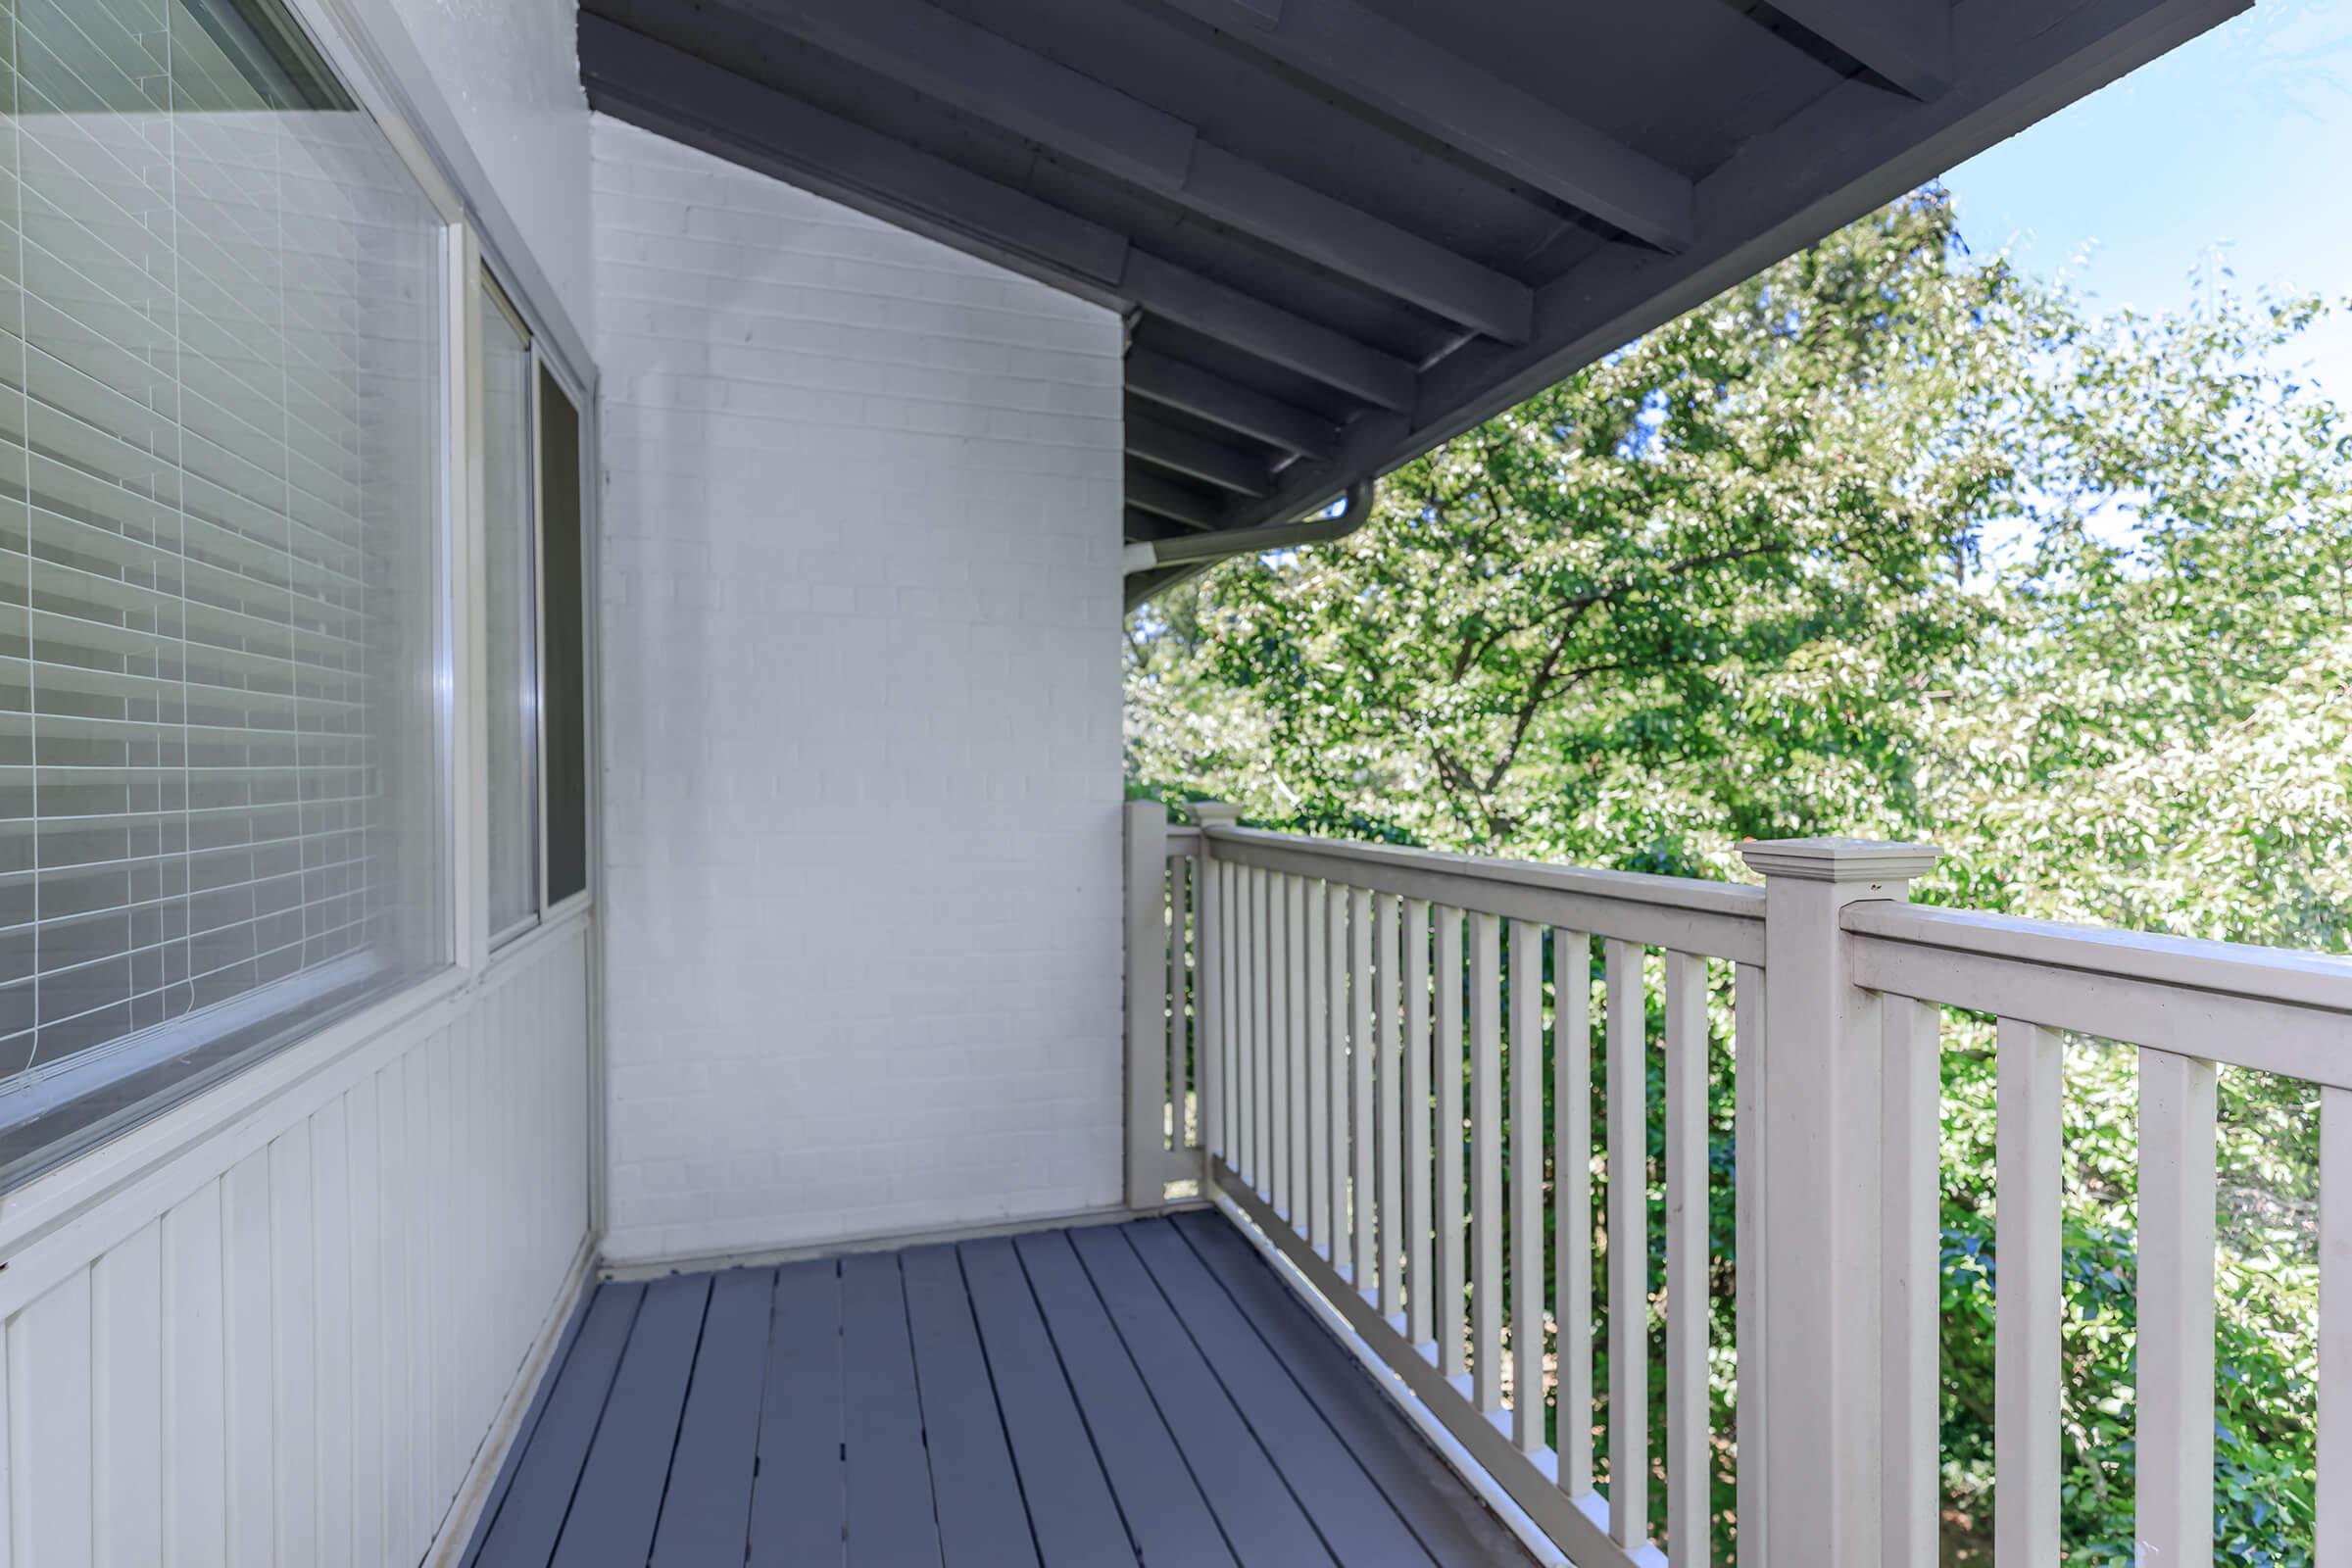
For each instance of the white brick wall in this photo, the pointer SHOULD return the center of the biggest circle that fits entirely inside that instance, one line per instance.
(861, 720)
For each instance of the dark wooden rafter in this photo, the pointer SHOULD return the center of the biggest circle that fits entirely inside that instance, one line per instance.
(1437, 244)
(1207, 396)
(1909, 42)
(1164, 497)
(642, 79)
(1417, 80)
(1198, 456)
(1081, 120)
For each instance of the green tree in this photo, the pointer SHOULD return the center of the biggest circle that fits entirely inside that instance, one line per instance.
(1732, 581)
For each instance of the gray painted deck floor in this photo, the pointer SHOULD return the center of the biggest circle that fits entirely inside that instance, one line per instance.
(1143, 1392)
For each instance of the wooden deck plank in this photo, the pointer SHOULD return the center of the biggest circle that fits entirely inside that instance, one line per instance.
(799, 1497)
(612, 1519)
(1171, 1524)
(707, 1513)
(1050, 1400)
(1260, 1517)
(521, 1532)
(1071, 1509)
(983, 1521)
(1356, 1522)
(525, 1431)
(1446, 1515)
(889, 1478)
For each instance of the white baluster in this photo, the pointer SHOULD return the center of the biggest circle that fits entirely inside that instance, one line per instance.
(1302, 982)
(1688, 1485)
(1629, 1247)
(2173, 1437)
(1362, 1049)
(1452, 1357)
(1572, 1201)
(1416, 1122)
(1315, 984)
(1389, 998)
(2026, 1300)
(1485, 1161)
(1911, 1034)
(1527, 1185)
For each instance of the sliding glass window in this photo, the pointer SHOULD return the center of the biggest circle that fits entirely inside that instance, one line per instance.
(535, 650)
(511, 657)
(222, 818)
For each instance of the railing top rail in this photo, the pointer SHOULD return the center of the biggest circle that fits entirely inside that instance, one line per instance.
(2231, 968)
(2265, 1008)
(1718, 919)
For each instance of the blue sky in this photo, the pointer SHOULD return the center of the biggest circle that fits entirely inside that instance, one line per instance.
(2226, 163)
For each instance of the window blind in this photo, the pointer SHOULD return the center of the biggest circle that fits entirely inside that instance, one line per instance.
(220, 395)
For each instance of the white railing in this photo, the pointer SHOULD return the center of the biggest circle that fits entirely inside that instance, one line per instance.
(2187, 1006)
(1320, 1032)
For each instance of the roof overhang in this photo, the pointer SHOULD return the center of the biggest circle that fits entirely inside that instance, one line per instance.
(1342, 231)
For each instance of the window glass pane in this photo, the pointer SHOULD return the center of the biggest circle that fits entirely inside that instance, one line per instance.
(511, 655)
(221, 801)
(566, 597)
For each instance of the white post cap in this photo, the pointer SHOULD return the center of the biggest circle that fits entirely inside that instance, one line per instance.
(1841, 859)
(1213, 813)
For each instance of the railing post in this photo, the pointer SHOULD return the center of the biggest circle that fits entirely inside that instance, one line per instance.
(1818, 1431)
(1208, 983)
(1147, 823)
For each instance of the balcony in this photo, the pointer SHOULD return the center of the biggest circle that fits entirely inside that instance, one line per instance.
(577, 988)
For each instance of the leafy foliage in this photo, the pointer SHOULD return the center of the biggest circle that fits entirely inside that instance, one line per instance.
(1736, 582)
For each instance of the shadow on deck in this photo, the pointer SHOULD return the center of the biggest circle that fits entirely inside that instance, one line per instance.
(1140, 1392)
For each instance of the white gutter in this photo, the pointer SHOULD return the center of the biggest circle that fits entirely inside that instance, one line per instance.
(1200, 549)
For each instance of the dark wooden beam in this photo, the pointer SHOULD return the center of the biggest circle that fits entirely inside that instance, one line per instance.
(1163, 497)
(681, 95)
(1083, 121)
(1198, 457)
(1205, 395)
(1909, 42)
(1402, 74)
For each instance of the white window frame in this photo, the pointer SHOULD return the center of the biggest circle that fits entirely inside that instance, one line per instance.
(370, 73)
(545, 910)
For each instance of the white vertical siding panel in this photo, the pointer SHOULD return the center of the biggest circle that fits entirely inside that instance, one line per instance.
(1572, 1202)
(366, 1371)
(330, 1232)
(439, 1227)
(393, 1372)
(248, 1312)
(50, 1428)
(126, 1375)
(297, 1358)
(294, 1347)
(2026, 1300)
(195, 1392)
(422, 1401)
